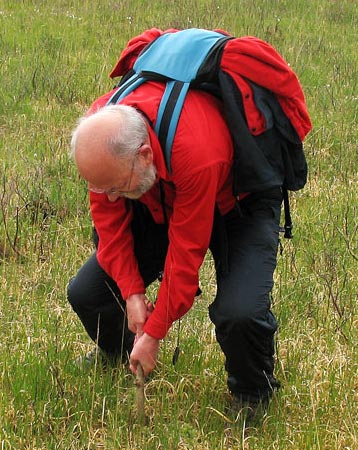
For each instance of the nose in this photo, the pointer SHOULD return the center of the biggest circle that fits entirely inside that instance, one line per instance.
(112, 197)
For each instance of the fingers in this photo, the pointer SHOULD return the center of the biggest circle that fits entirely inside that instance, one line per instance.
(147, 368)
(138, 310)
(138, 314)
(145, 352)
(139, 331)
(133, 367)
(150, 306)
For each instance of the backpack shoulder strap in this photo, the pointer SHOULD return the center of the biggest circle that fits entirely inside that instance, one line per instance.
(126, 88)
(168, 116)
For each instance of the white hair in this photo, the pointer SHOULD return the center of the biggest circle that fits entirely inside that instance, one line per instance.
(132, 131)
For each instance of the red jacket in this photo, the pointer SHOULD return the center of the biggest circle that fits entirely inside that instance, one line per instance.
(201, 177)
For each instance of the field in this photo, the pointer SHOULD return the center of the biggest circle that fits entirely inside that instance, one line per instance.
(55, 58)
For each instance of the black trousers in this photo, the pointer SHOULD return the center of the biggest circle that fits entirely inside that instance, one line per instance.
(244, 247)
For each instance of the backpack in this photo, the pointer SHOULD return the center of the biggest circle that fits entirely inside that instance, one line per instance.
(193, 59)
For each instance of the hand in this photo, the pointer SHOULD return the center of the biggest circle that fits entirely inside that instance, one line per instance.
(145, 352)
(139, 308)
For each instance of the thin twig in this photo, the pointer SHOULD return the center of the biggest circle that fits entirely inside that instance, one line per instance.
(139, 382)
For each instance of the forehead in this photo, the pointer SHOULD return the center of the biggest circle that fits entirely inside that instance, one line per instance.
(95, 162)
(104, 169)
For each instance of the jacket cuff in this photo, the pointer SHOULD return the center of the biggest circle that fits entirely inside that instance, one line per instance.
(156, 328)
(136, 288)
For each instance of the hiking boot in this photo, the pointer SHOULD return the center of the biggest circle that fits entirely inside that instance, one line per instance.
(91, 358)
(249, 410)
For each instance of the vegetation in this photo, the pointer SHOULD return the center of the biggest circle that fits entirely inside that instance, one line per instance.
(55, 59)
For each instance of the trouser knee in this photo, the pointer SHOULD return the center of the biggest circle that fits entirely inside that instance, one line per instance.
(92, 290)
(232, 316)
(76, 294)
(243, 324)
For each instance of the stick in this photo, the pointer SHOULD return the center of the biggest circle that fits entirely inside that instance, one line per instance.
(139, 382)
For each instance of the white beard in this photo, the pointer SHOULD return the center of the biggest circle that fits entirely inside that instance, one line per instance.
(147, 179)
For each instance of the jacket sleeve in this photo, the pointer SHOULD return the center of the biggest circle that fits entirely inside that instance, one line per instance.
(189, 237)
(115, 252)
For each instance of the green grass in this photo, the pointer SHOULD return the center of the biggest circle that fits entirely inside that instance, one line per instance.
(54, 61)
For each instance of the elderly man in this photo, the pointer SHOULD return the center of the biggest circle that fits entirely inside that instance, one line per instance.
(148, 222)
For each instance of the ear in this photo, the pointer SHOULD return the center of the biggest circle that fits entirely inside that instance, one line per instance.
(145, 154)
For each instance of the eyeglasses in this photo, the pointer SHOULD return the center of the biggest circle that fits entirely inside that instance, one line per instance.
(114, 190)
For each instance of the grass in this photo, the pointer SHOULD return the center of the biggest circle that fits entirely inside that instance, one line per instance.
(55, 57)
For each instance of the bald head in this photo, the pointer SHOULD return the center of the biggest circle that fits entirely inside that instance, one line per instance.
(113, 154)
(103, 139)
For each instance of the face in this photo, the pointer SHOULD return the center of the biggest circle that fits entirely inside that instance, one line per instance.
(130, 178)
(107, 173)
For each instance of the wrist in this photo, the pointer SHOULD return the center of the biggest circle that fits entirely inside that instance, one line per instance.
(133, 297)
(150, 338)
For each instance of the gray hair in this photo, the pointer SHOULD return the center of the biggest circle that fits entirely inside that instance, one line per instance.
(132, 131)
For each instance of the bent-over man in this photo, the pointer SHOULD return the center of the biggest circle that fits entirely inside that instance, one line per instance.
(149, 222)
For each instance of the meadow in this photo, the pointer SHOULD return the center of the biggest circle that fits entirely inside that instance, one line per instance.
(55, 57)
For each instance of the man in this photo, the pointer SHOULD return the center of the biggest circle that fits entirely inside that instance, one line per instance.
(148, 221)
